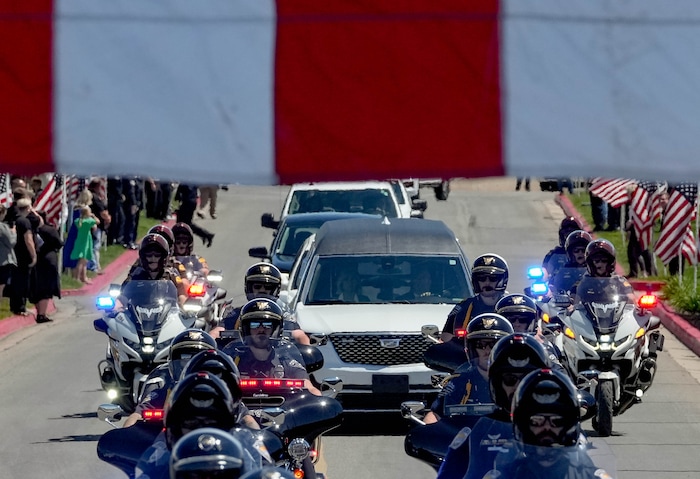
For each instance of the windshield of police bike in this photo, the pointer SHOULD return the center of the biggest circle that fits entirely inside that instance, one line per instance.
(525, 460)
(150, 302)
(191, 262)
(565, 280)
(604, 300)
(284, 361)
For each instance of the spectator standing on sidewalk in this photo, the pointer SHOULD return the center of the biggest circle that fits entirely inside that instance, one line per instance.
(46, 282)
(132, 189)
(187, 196)
(8, 260)
(207, 195)
(99, 209)
(599, 209)
(26, 253)
(82, 249)
(519, 182)
(84, 199)
(115, 208)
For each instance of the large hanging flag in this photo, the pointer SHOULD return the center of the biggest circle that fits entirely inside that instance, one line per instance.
(676, 222)
(52, 199)
(641, 211)
(265, 91)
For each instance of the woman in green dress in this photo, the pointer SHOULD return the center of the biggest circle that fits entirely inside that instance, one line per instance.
(82, 249)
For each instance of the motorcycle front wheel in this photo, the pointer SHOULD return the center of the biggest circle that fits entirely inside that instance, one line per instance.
(605, 394)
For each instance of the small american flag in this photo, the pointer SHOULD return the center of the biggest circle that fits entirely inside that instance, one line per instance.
(676, 224)
(5, 190)
(640, 211)
(51, 200)
(75, 185)
(613, 191)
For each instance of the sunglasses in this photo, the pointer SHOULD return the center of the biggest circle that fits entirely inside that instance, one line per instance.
(520, 319)
(182, 241)
(153, 254)
(493, 278)
(579, 250)
(600, 260)
(511, 380)
(261, 286)
(261, 324)
(554, 420)
(484, 344)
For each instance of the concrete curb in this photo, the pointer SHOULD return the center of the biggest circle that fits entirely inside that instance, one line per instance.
(685, 332)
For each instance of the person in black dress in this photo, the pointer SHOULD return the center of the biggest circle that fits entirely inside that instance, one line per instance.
(46, 282)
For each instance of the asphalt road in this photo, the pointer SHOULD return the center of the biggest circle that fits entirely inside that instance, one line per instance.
(49, 389)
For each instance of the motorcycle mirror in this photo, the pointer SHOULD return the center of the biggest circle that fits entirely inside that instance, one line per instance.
(587, 404)
(100, 325)
(109, 412)
(431, 332)
(313, 359)
(272, 416)
(410, 410)
(330, 387)
(220, 294)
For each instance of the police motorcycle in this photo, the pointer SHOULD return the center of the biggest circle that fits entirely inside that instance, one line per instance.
(138, 334)
(204, 295)
(610, 346)
(284, 406)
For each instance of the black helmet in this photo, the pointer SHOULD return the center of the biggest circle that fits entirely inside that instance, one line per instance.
(517, 306)
(514, 354)
(576, 239)
(597, 248)
(154, 242)
(490, 264)
(485, 326)
(184, 346)
(207, 452)
(198, 400)
(166, 233)
(220, 365)
(183, 229)
(262, 273)
(261, 310)
(566, 227)
(546, 392)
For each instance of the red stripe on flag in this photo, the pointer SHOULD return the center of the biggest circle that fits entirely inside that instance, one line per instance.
(26, 50)
(677, 218)
(613, 191)
(370, 90)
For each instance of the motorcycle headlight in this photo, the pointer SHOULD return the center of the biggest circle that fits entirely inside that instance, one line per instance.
(298, 449)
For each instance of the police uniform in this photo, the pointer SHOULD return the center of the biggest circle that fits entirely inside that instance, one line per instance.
(554, 260)
(464, 311)
(275, 366)
(466, 386)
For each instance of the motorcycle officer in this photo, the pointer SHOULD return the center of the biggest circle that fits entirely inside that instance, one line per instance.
(547, 431)
(473, 451)
(600, 263)
(198, 400)
(490, 279)
(566, 279)
(184, 246)
(262, 280)
(184, 348)
(153, 265)
(469, 383)
(260, 322)
(207, 452)
(556, 257)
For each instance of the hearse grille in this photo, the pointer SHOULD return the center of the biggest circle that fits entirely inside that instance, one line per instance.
(380, 349)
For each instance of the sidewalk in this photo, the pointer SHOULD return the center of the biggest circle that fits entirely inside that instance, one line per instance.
(13, 323)
(679, 327)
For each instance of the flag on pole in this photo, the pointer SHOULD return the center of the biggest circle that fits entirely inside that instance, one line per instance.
(676, 224)
(640, 211)
(75, 185)
(5, 190)
(689, 247)
(51, 200)
(612, 191)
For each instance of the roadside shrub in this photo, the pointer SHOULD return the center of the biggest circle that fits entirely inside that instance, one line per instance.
(682, 296)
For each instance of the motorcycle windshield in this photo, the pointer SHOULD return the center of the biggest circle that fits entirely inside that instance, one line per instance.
(565, 280)
(524, 460)
(191, 263)
(604, 300)
(284, 359)
(150, 302)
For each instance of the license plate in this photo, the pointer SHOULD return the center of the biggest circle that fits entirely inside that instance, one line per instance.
(390, 383)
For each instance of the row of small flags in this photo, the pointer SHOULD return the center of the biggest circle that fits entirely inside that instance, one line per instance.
(646, 200)
(60, 190)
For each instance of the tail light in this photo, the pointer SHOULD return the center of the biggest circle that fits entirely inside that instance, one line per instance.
(152, 414)
(460, 333)
(196, 290)
(265, 383)
(647, 301)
